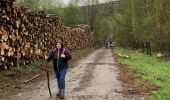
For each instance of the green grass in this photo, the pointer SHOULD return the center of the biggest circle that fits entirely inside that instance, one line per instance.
(153, 70)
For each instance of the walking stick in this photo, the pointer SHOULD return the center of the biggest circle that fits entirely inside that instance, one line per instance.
(48, 80)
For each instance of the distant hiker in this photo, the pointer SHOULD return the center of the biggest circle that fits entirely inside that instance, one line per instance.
(60, 57)
(105, 43)
(111, 44)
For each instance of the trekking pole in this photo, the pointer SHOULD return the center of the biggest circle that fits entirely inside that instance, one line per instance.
(48, 80)
(47, 71)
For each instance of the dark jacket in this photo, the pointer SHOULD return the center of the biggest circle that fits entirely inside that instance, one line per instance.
(62, 62)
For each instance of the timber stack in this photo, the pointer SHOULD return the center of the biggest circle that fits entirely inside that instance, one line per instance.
(77, 37)
(28, 36)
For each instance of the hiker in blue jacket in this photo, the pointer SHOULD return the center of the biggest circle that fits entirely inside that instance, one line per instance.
(60, 57)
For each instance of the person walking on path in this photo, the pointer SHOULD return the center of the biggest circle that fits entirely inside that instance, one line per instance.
(60, 57)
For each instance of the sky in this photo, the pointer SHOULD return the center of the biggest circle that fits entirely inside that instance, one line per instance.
(101, 1)
(66, 1)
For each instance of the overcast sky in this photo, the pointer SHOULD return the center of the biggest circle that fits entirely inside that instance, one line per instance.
(101, 1)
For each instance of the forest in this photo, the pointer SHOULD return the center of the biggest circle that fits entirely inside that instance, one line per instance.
(139, 24)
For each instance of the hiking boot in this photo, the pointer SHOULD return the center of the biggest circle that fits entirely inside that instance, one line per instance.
(58, 93)
(62, 94)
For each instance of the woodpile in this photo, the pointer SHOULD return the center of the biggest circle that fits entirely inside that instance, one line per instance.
(27, 36)
(78, 37)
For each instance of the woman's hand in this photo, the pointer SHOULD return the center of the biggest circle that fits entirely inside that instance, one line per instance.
(63, 55)
(46, 57)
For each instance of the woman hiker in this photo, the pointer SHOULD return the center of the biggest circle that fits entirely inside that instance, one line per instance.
(60, 57)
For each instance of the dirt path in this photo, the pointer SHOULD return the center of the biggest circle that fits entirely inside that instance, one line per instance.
(92, 78)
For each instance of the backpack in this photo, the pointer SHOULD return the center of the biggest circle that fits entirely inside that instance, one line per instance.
(53, 50)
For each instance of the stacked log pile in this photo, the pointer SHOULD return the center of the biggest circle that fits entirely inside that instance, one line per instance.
(27, 36)
(78, 37)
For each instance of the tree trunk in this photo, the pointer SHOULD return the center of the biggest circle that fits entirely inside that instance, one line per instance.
(143, 47)
(149, 47)
(169, 49)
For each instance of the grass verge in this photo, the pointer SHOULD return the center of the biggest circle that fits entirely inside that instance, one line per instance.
(147, 74)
